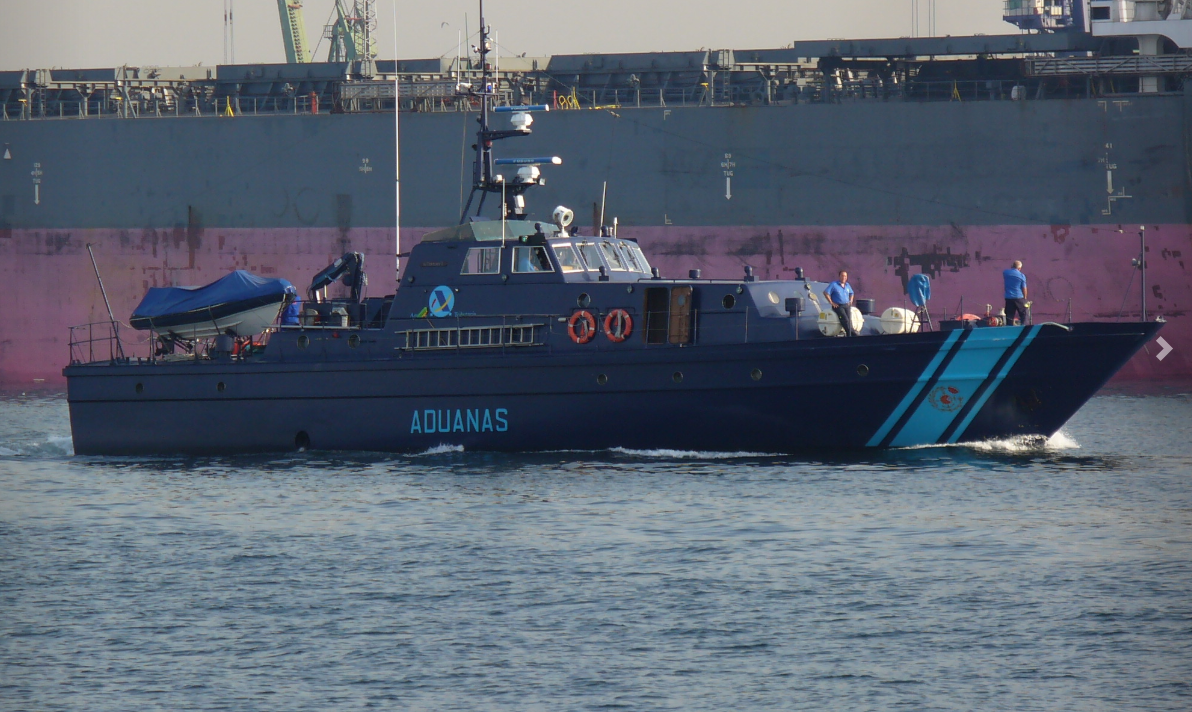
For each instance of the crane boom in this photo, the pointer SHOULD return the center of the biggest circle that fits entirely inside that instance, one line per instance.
(293, 31)
(351, 34)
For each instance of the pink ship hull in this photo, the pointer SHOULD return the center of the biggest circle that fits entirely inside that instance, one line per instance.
(50, 284)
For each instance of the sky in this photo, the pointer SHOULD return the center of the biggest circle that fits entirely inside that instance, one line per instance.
(109, 33)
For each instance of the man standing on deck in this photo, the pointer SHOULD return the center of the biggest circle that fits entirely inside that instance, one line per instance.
(1016, 303)
(840, 296)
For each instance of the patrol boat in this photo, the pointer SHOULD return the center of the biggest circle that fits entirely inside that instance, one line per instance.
(515, 334)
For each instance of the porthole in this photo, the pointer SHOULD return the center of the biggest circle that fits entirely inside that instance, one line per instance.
(584, 301)
(773, 297)
(602, 379)
(677, 376)
(303, 341)
(140, 388)
(729, 301)
(756, 374)
(862, 370)
(353, 341)
(221, 386)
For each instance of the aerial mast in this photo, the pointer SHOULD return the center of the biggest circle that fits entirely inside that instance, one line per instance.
(484, 179)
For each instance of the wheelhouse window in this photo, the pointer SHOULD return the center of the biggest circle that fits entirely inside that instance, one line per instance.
(614, 258)
(531, 259)
(591, 254)
(642, 262)
(629, 257)
(568, 260)
(482, 260)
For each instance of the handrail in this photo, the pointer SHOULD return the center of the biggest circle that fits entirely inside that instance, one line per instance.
(1056, 78)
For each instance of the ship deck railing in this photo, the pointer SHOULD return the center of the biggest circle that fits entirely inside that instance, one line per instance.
(96, 342)
(654, 329)
(1046, 79)
(100, 343)
(104, 342)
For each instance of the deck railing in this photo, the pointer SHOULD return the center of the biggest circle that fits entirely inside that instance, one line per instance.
(96, 342)
(100, 342)
(1043, 83)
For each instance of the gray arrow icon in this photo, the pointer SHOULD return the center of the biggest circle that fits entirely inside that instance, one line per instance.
(1167, 348)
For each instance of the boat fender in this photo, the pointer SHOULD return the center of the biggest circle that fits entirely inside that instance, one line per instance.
(618, 325)
(581, 327)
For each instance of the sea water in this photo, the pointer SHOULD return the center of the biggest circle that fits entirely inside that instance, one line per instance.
(1030, 575)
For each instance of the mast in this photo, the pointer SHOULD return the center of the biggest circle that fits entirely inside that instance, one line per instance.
(484, 179)
(1142, 266)
(396, 158)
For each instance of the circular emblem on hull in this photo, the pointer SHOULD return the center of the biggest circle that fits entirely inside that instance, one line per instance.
(442, 301)
(946, 398)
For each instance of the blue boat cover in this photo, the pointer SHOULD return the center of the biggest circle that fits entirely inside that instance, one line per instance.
(236, 287)
(919, 289)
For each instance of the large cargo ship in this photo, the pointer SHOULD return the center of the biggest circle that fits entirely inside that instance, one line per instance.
(949, 156)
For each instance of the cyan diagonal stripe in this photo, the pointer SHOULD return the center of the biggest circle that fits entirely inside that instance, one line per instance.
(977, 358)
(915, 389)
(1001, 375)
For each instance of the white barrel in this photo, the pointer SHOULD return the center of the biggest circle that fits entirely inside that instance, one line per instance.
(829, 323)
(897, 320)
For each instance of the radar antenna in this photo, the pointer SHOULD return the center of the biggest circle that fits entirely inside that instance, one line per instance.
(485, 179)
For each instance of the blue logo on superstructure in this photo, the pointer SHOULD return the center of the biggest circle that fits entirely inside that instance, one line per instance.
(442, 301)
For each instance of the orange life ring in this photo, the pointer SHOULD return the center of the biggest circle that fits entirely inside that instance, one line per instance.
(586, 332)
(618, 325)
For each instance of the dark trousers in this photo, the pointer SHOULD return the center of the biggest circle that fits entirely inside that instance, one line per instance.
(1015, 307)
(845, 313)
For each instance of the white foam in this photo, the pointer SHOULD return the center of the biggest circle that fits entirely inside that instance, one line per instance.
(53, 446)
(1023, 443)
(442, 449)
(1056, 443)
(686, 454)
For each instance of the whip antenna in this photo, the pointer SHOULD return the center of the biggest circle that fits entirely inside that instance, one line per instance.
(396, 158)
(106, 303)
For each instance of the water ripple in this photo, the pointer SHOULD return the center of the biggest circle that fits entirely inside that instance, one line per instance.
(1009, 576)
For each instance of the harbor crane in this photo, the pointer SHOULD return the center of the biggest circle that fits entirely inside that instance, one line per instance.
(350, 35)
(293, 31)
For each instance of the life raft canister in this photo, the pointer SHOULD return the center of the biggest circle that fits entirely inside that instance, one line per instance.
(618, 325)
(581, 327)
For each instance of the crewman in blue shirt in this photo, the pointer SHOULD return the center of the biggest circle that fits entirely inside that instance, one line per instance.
(840, 296)
(1016, 303)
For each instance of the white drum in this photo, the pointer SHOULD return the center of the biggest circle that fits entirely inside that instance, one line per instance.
(897, 320)
(829, 323)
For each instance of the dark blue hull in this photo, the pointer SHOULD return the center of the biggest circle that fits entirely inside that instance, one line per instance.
(785, 396)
